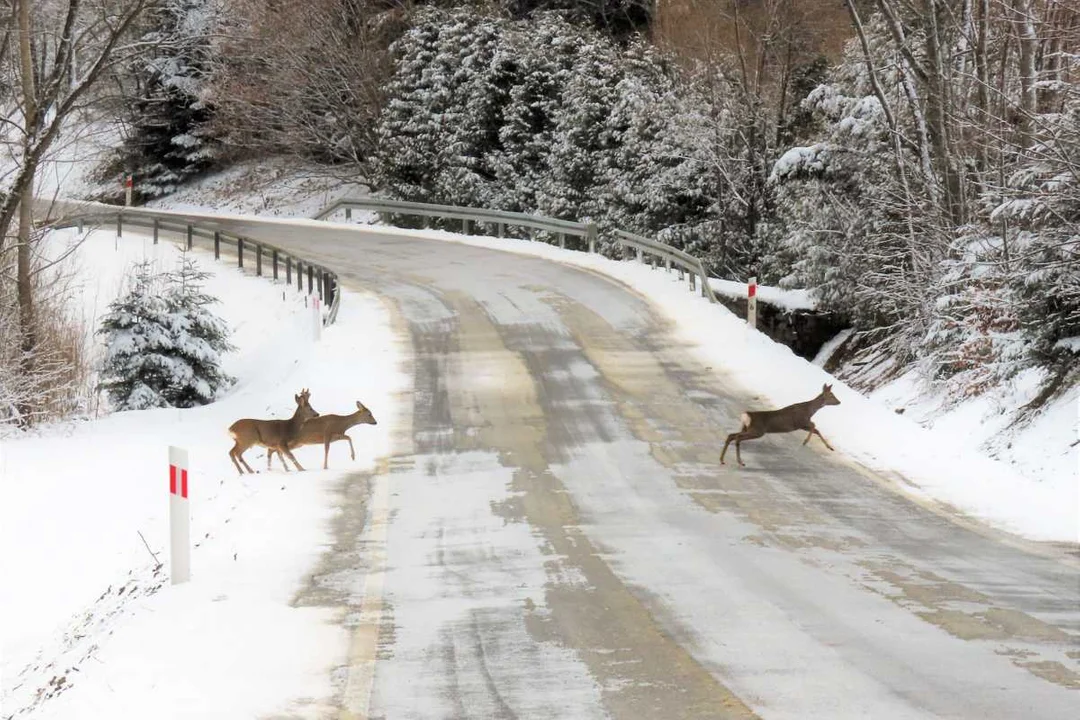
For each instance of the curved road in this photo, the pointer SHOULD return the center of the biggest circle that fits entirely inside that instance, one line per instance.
(554, 536)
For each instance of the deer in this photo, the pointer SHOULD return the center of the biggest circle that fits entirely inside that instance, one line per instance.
(271, 434)
(326, 429)
(756, 423)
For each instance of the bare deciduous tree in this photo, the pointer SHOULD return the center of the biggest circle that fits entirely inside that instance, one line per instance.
(55, 51)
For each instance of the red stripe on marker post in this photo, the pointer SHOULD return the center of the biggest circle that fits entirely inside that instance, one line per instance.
(183, 483)
(172, 479)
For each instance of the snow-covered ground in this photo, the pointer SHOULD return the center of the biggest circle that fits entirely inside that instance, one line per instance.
(80, 498)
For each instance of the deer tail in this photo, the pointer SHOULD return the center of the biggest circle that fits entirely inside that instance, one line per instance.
(745, 420)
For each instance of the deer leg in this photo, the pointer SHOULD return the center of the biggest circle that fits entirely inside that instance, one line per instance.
(326, 454)
(282, 459)
(288, 452)
(745, 435)
(269, 458)
(818, 433)
(726, 443)
(343, 436)
(232, 456)
(240, 456)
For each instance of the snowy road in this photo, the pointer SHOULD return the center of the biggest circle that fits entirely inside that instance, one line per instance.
(554, 536)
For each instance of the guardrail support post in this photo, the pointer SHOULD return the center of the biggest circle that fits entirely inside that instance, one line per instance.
(502, 229)
(155, 231)
(258, 260)
(299, 276)
(273, 255)
(348, 214)
(80, 226)
(319, 281)
(240, 252)
(310, 278)
(119, 225)
(590, 235)
(640, 255)
(693, 281)
(466, 226)
(562, 240)
(190, 230)
(217, 245)
(667, 264)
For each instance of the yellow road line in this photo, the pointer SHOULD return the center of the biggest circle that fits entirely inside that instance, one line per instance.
(364, 646)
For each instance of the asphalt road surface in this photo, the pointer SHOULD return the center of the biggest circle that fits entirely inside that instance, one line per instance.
(554, 536)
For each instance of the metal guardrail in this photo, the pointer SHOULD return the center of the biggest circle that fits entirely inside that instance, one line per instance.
(670, 256)
(320, 279)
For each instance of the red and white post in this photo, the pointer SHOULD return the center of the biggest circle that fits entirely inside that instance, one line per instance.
(129, 183)
(317, 319)
(179, 517)
(751, 303)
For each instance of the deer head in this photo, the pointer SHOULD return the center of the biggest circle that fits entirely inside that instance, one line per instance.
(363, 415)
(304, 411)
(827, 395)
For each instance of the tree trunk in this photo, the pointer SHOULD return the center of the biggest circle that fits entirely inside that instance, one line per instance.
(982, 76)
(937, 110)
(23, 281)
(1025, 31)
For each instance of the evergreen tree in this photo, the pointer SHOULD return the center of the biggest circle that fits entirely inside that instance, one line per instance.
(200, 338)
(137, 371)
(163, 345)
(168, 139)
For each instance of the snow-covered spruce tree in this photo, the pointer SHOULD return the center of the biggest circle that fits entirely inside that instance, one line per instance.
(168, 123)
(583, 141)
(200, 338)
(137, 371)
(440, 121)
(163, 345)
(537, 58)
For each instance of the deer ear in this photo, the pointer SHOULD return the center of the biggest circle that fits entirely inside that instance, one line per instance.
(826, 387)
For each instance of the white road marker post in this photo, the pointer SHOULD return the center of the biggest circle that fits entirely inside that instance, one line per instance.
(129, 183)
(179, 517)
(317, 319)
(751, 303)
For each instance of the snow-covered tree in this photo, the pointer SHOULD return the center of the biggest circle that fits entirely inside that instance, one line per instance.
(137, 370)
(168, 137)
(200, 338)
(163, 345)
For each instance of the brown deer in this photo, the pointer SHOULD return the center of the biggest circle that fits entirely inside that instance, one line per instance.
(326, 429)
(793, 417)
(271, 434)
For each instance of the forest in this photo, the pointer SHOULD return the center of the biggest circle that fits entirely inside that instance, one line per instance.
(915, 163)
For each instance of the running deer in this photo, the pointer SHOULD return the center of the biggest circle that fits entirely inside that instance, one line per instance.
(793, 417)
(271, 434)
(326, 429)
